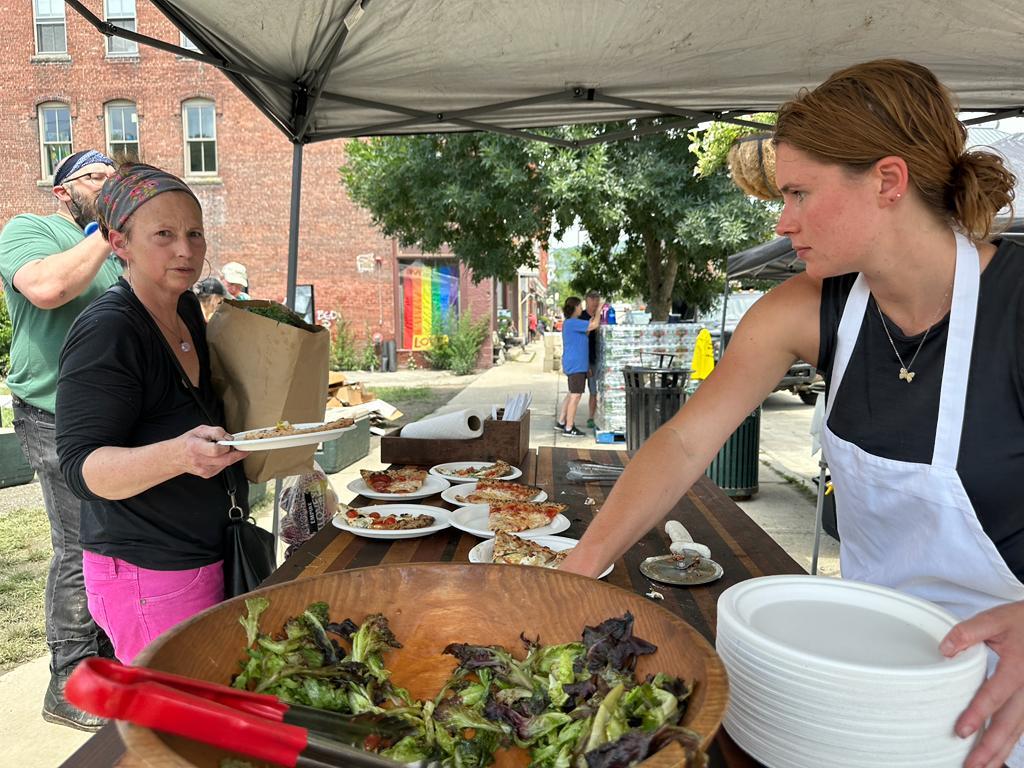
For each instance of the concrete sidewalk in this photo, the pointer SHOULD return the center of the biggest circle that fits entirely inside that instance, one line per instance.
(783, 507)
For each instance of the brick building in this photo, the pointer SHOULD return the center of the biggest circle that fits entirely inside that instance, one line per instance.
(69, 88)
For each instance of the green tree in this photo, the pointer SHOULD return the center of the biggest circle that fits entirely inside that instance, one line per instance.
(656, 230)
(480, 193)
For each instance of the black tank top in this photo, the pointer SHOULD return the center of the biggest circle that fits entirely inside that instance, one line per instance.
(885, 416)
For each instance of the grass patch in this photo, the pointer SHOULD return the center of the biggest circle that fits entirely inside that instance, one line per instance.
(24, 561)
(403, 394)
(798, 485)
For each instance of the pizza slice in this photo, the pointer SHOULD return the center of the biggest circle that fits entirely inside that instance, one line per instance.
(497, 469)
(513, 550)
(487, 491)
(513, 516)
(398, 480)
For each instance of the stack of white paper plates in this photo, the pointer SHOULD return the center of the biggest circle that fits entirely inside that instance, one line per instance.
(840, 673)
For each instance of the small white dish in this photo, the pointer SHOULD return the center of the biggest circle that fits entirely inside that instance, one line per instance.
(440, 516)
(473, 519)
(465, 489)
(484, 551)
(443, 470)
(431, 486)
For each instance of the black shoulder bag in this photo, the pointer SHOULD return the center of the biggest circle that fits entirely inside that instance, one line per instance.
(249, 551)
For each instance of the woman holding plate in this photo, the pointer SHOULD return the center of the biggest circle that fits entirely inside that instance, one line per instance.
(917, 323)
(138, 421)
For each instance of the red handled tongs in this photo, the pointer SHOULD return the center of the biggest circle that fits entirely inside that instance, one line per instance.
(253, 724)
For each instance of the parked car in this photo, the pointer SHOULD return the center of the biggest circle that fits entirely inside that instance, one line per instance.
(802, 379)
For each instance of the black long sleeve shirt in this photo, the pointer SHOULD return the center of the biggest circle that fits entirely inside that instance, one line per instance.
(120, 386)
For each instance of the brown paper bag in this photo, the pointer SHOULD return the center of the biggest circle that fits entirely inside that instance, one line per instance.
(267, 372)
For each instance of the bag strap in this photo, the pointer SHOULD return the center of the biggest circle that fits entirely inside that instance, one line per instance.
(235, 512)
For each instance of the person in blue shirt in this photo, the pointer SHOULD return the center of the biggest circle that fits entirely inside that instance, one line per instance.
(575, 361)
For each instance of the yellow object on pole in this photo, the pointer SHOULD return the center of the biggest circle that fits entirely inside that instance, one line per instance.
(703, 362)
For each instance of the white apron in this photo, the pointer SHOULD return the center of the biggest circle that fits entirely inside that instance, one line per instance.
(911, 526)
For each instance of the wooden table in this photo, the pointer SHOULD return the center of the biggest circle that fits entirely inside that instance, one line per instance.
(740, 546)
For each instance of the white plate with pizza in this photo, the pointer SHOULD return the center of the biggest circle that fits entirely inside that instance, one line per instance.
(471, 471)
(397, 484)
(392, 521)
(543, 551)
(486, 491)
(526, 518)
(287, 435)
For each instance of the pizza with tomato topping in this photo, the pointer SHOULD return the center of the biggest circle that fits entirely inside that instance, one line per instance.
(514, 516)
(487, 491)
(398, 480)
(483, 472)
(358, 518)
(513, 550)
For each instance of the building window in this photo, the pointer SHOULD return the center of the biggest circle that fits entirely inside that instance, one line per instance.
(187, 43)
(121, 13)
(51, 36)
(122, 131)
(54, 135)
(429, 300)
(200, 138)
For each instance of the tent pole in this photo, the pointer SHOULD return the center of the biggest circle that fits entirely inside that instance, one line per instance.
(293, 224)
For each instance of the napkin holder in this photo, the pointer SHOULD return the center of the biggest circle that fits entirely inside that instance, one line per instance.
(507, 440)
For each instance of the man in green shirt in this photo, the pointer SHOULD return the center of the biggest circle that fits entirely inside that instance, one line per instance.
(52, 267)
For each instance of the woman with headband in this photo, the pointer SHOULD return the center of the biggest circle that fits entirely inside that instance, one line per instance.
(138, 421)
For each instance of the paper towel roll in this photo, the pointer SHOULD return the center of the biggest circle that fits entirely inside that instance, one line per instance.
(457, 425)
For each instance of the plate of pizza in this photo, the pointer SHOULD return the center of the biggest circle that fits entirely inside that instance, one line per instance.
(486, 491)
(392, 521)
(542, 551)
(471, 471)
(397, 483)
(527, 518)
(287, 435)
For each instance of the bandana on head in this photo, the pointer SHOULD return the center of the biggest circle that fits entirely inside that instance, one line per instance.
(130, 187)
(76, 162)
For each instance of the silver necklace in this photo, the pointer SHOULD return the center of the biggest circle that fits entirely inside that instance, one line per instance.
(906, 372)
(183, 345)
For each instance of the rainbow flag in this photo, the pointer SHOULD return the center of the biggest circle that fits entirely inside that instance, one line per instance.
(430, 297)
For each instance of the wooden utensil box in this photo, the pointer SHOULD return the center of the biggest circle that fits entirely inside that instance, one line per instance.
(507, 440)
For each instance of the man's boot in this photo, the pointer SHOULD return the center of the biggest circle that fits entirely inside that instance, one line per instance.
(56, 708)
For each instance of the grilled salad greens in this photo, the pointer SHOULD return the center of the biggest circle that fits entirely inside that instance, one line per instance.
(574, 705)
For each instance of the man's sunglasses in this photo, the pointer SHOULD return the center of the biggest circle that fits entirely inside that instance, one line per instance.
(96, 176)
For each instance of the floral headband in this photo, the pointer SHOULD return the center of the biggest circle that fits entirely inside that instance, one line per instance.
(130, 187)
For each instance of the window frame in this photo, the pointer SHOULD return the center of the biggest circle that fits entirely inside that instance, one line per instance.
(186, 141)
(38, 21)
(47, 174)
(133, 50)
(107, 125)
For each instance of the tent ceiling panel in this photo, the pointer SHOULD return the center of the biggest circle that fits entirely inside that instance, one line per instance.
(396, 60)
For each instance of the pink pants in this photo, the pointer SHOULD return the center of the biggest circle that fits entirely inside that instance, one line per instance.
(133, 605)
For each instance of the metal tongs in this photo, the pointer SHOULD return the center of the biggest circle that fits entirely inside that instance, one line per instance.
(256, 725)
(588, 471)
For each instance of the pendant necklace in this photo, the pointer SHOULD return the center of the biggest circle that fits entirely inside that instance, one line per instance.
(183, 345)
(906, 372)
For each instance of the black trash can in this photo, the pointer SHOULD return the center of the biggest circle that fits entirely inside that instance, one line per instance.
(735, 467)
(653, 396)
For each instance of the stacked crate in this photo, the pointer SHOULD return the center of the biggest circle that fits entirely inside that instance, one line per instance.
(622, 345)
(553, 352)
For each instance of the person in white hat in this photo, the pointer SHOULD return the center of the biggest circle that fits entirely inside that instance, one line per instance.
(235, 280)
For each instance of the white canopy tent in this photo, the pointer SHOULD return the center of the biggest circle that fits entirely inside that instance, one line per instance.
(325, 69)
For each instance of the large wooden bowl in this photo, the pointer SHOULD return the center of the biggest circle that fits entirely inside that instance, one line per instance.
(429, 605)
